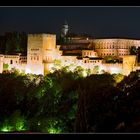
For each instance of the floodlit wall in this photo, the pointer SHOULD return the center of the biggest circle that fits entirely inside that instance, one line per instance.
(112, 68)
(129, 63)
(41, 52)
(114, 47)
(34, 54)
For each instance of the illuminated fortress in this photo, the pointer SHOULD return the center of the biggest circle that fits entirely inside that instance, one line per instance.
(42, 52)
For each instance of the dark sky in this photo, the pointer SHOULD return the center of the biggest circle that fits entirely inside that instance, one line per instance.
(101, 22)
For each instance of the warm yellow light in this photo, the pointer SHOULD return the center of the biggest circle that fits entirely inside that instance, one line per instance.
(114, 70)
(84, 73)
(27, 70)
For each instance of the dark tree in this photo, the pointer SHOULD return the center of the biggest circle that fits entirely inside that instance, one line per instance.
(133, 50)
(16, 43)
(95, 105)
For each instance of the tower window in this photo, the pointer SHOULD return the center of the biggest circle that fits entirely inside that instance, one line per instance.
(11, 61)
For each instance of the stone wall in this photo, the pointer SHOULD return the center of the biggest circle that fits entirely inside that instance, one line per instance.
(41, 52)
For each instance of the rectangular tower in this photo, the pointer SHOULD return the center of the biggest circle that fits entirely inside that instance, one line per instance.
(40, 52)
(129, 63)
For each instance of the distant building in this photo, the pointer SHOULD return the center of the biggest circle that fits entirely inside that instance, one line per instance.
(42, 52)
(9, 62)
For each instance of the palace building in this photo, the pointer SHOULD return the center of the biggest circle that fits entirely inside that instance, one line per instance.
(42, 51)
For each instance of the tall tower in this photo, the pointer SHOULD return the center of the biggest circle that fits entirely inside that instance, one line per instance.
(128, 64)
(64, 30)
(40, 53)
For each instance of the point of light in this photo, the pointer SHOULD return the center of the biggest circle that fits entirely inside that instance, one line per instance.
(28, 70)
(84, 73)
(114, 70)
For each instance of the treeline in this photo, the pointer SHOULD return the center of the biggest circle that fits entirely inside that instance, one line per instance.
(38, 104)
(13, 43)
(67, 102)
(107, 106)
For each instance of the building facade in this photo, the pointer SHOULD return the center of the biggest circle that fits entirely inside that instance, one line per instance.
(42, 52)
(115, 47)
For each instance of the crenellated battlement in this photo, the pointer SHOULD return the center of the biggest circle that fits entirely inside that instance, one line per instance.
(41, 35)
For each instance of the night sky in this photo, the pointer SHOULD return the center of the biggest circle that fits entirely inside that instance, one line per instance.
(100, 22)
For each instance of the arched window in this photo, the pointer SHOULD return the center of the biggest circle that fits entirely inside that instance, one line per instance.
(11, 61)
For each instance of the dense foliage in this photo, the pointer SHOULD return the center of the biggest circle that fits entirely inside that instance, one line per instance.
(66, 102)
(13, 43)
(44, 104)
(106, 105)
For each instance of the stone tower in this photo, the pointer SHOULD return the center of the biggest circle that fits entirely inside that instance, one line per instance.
(40, 53)
(129, 63)
(65, 29)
